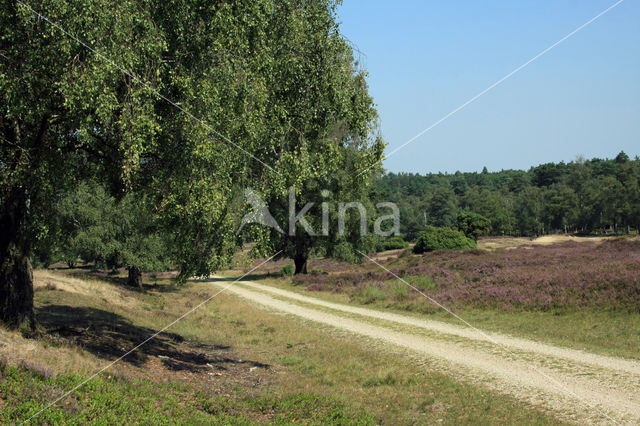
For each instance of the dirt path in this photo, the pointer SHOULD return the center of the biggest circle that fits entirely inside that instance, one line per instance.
(579, 386)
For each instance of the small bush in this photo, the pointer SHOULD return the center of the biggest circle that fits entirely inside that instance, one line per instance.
(392, 243)
(399, 291)
(344, 251)
(287, 270)
(442, 239)
(372, 294)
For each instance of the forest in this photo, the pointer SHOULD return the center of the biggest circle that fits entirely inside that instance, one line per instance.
(585, 197)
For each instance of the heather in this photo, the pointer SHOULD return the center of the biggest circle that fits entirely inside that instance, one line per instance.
(563, 276)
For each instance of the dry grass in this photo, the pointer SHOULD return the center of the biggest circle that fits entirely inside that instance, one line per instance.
(95, 288)
(55, 351)
(383, 256)
(495, 243)
(56, 355)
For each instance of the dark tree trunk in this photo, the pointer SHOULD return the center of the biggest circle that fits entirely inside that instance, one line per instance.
(135, 277)
(16, 278)
(301, 265)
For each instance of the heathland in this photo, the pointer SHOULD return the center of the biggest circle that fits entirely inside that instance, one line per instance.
(355, 344)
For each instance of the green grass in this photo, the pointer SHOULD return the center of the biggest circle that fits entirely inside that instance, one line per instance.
(603, 332)
(419, 282)
(370, 295)
(385, 380)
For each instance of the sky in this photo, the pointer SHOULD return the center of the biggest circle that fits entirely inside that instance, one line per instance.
(426, 58)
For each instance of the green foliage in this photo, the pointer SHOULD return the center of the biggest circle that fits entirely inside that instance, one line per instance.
(473, 225)
(584, 196)
(442, 207)
(344, 251)
(326, 122)
(421, 282)
(371, 295)
(387, 380)
(111, 233)
(442, 239)
(287, 270)
(391, 243)
(255, 81)
(26, 392)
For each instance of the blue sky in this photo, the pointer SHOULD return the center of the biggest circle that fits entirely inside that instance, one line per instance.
(426, 58)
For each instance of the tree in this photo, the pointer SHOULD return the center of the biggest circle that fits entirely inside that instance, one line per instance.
(57, 100)
(580, 196)
(442, 207)
(621, 158)
(608, 199)
(69, 112)
(473, 225)
(112, 233)
(495, 205)
(560, 207)
(528, 211)
(327, 122)
(459, 184)
(547, 174)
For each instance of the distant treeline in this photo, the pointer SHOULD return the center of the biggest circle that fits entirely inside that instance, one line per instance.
(583, 196)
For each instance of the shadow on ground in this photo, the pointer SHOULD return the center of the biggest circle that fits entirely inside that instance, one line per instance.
(110, 336)
(88, 273)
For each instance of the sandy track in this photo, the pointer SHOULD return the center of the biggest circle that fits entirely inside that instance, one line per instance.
(577, 385)
(609, 363)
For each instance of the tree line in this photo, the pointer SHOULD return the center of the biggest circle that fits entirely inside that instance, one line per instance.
(595, 196)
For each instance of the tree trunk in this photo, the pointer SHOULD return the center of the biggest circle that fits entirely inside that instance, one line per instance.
(135, 277)
(16, 277)
(301, 265)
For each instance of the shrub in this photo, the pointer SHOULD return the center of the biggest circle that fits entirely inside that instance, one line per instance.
(420, 282)
(442, 239)
(287, 270)
(344, 251)
(393, 243)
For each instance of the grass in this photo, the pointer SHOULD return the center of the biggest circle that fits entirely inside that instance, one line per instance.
(604, 332)
(227, 363)
(112, 400)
